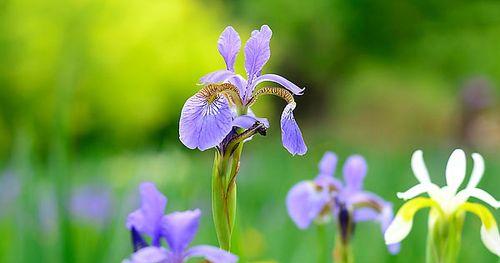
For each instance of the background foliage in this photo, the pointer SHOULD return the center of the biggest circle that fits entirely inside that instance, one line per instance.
(91, 91)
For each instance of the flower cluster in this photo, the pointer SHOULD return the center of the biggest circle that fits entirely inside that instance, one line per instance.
(447, 203)
(177, 228)
(221, 110)
(325, 196)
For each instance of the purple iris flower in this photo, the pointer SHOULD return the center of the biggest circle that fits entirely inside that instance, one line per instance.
(209, 116)
(177, 228)
(326, 196)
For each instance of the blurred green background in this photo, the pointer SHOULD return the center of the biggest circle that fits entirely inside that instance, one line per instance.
(91, 91)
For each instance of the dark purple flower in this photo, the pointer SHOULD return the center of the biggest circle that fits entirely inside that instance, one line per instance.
(326, 196)
(177, 228)
(208, 116)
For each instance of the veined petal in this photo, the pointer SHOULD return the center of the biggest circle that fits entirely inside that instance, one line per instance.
(489, 228)
(328, 163)
(204, 124)
(150, 255)
(247, 121)
(179, 229)
(212, 254)
(401, 225)
(354, 171)
(147, 218)
(239, 82)
(217, 77)
(257, 52)
(455, 170)
(418, 167)
(477, 171)
(305, 202)
(229, 45)
(296, 90)
(291, 135)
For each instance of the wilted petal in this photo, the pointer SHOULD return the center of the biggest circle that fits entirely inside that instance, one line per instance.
(229, 45)
(150, 255)
(204, 125)
(291, 135)
(328, 163)
(179, 228)
(279, 80)
(212, 254)
(455, 169)
(147, 218)
(247, 121)
(305, 202)
(257, 52)
(354, 172)
(217, 77)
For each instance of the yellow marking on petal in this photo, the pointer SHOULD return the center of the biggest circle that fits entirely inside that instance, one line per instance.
(211, 91)
(276, 91)
(408, 210)
(482, 212)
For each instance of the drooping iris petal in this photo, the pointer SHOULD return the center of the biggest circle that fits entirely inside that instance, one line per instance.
(257, 52)
(204, 124)
(229, 45)
(147, 218)
(354, 172)
(296, 90)
(179, 229)
(455, 169)
(328, 163)
(149, 255)
(212, 254)
(291, 135)
(305, 202)
(429, 188)
(247, 121)
(419, 168)
(217, 77)
(400, 227)
(489, 228)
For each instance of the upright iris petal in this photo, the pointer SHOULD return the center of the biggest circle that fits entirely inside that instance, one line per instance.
(204, 123)
(257, 53)
(147, 218)
(229, 45)
(354, 172)
(290, 132)
(180, 228)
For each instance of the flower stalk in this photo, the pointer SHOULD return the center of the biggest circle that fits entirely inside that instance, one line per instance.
(342, 253)
(444, 238)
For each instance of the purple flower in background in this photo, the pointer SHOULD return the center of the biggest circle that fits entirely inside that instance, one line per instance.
(91, 204)
(177, 228)
(10, 187)
(209, 116)
(327, 196)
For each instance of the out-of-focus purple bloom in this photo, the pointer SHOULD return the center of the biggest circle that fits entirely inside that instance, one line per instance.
(91, 204)
(10, 187)
(177, 228)
(325, 196)
(209, 115)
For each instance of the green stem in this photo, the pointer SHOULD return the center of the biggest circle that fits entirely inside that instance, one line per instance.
(342, 252)
(224, 174)
(443, 241)
(322, 243)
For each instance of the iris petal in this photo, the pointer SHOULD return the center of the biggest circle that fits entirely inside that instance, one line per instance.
(179, 228)
(489, 228)
(354, 172)
(418, 167)
(455, 170)
(291, 135)
(257, 52)
(150, 255)
(212, 254)
(229, 45)
(296, 90)
(217, 77)
(204, 124)
(305, 202)
(328, 163)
